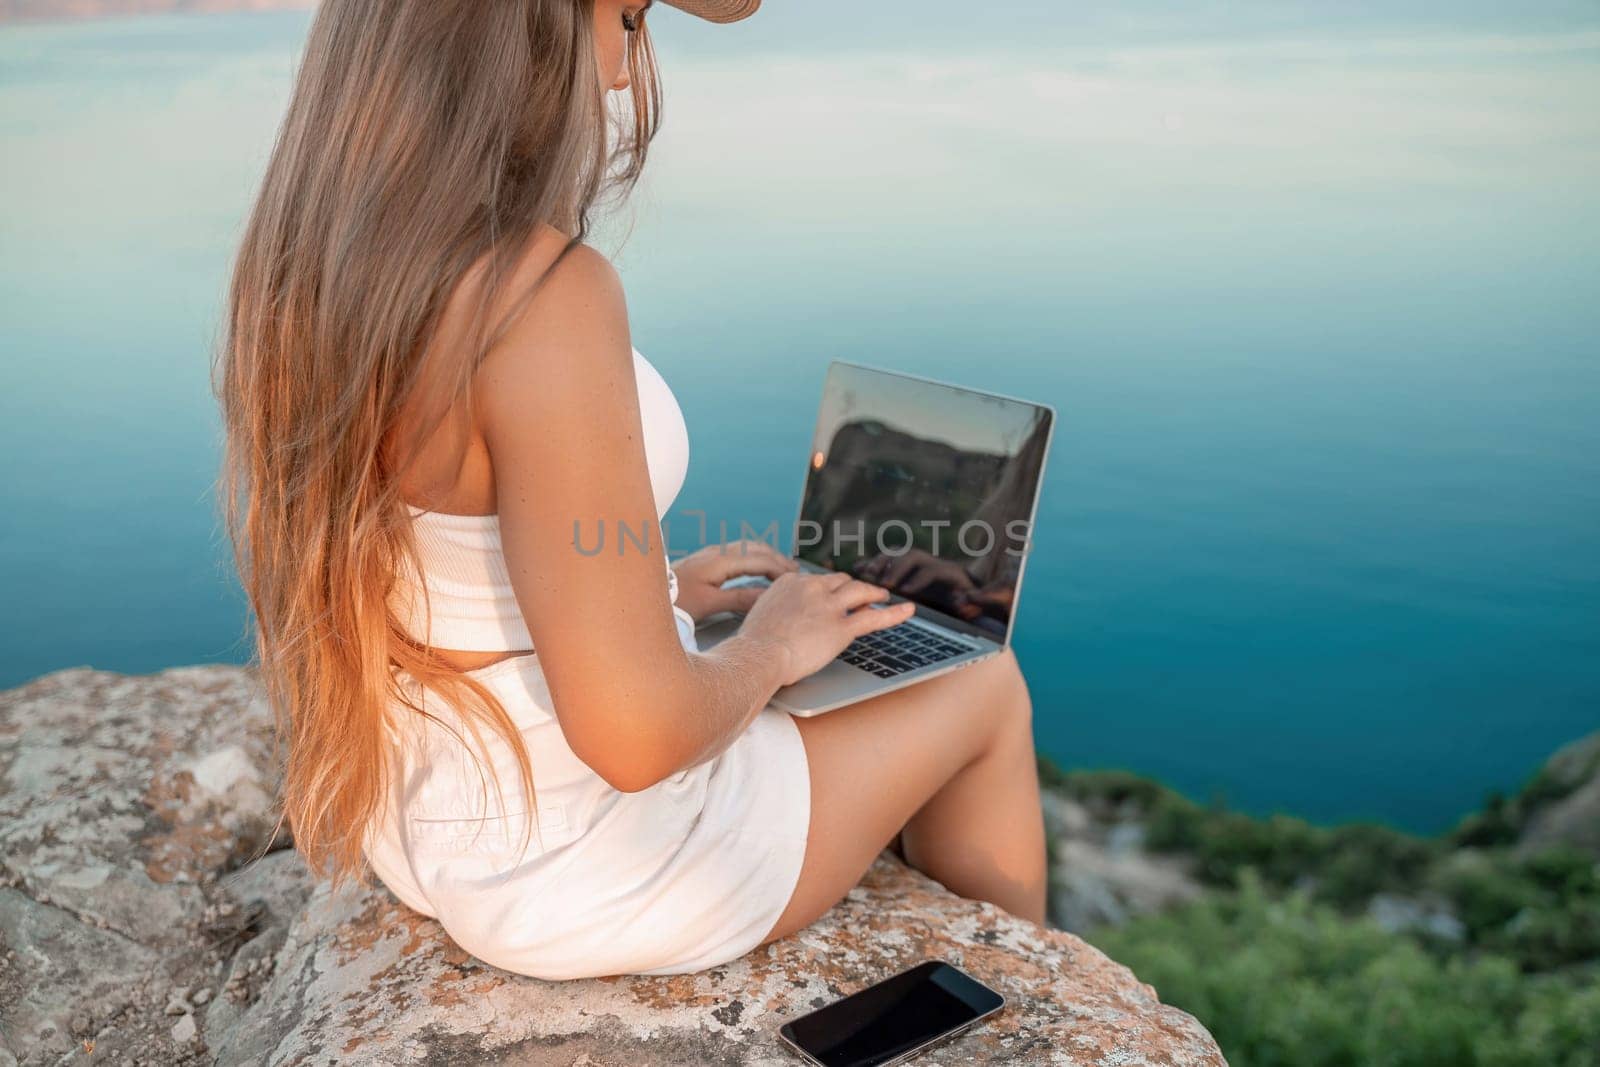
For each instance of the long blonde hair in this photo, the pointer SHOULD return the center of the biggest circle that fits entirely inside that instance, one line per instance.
(424, 139)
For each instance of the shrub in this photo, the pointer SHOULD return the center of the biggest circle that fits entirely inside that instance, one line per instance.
(1543, 911)
(1102, 788)
(1292, 982)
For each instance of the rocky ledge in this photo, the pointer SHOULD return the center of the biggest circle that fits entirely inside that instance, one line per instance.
(148, 914)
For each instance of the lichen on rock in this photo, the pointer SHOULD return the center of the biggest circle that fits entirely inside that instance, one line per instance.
(149, 915)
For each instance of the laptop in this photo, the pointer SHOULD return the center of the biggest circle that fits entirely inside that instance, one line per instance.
(930, 490)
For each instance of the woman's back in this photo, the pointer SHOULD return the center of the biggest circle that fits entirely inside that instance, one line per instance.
(449, 484)
(463, 598)
(450, 470)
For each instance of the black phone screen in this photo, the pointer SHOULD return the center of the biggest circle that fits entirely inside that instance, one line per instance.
(892, 1018)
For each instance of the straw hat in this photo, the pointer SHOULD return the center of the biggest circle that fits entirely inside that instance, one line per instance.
(717, 10)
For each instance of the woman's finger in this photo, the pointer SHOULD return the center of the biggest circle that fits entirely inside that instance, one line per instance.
(868, 620)
(739, 558)
(834, 581)
(740, 598)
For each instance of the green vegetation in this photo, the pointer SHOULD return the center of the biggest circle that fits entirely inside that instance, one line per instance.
(1542, 912)
(1280, 961)
(1283, 980)
(1345, 865)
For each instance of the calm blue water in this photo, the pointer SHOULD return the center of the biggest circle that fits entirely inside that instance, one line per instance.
(1314, 290)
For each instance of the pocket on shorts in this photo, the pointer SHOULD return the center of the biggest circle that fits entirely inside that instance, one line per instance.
(495, 832)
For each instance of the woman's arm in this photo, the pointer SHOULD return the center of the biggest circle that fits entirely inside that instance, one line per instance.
(558, 406)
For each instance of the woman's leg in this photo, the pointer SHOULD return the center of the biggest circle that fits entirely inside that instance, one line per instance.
(950, 765)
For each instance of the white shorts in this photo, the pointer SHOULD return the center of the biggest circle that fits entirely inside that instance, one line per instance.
(685, 875)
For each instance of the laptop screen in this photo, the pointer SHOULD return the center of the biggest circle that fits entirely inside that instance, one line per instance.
(923, 488)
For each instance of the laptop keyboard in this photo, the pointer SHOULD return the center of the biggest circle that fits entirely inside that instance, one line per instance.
(899, 649)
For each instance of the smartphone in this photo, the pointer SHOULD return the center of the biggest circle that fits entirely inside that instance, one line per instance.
(893, 1020)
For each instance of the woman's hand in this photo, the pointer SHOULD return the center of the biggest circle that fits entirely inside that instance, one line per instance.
(808, 619)
(701, 574)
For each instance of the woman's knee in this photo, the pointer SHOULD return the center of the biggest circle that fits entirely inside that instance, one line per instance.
(1006, 698)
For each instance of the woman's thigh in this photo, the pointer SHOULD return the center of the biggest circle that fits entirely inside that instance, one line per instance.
(873, 765)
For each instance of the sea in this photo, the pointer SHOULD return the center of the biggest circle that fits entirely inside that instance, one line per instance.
(1314, 290)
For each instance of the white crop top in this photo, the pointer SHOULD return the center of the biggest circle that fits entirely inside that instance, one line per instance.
(464, 570)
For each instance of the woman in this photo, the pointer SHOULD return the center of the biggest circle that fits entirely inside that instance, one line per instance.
(433, 409)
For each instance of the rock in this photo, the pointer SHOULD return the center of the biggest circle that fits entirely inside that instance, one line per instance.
(1402, 915)
(1101, 874)
(1125, 839)
(117, 815)
(1572, 816)
(65, 968)
(1575, 764)
(1065, 817)
(139, 868)
(115, 805)
(361, 958)
(1091, 886)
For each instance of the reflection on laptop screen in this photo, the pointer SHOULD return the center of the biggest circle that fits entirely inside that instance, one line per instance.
(925, 489)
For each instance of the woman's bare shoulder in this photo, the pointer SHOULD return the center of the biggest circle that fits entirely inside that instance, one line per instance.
(556, 399)
(555, 274)
(547, 294)
(569, 339)
(545, 254)
(575, 322)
